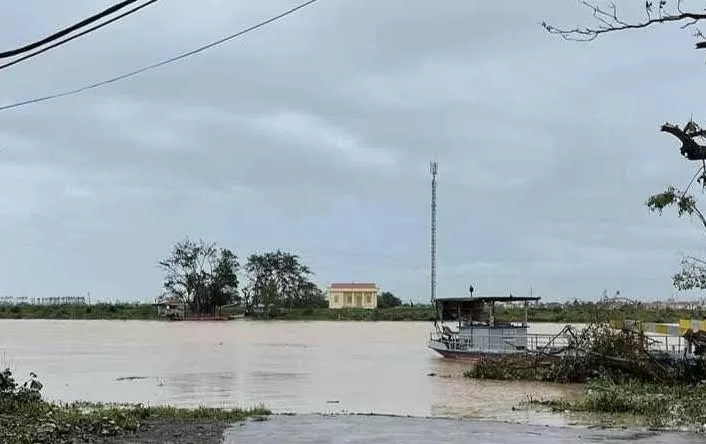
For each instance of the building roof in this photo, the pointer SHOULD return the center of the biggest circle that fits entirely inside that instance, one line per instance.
(355, 285)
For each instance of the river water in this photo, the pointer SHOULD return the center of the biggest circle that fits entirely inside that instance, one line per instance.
(291, 367)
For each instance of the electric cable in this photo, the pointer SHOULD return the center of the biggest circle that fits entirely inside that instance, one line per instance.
(158, 64)
(59, 34)
(73, 37)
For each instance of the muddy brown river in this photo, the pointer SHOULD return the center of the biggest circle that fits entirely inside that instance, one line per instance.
(291, 367)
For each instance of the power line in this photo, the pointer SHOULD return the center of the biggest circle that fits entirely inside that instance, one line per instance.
(159, 64)
(81, 34)
(65, 31)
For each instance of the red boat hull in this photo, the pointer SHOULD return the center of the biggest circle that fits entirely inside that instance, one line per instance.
(465, 356)
(205, 318)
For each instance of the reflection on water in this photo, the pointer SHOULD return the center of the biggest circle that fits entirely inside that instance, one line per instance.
(300, 367)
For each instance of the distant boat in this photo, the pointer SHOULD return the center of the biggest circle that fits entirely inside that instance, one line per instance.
(209, 318)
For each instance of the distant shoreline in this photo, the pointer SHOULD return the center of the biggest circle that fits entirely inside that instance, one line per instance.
(568, 314)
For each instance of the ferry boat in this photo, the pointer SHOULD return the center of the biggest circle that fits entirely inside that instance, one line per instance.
(479, 334)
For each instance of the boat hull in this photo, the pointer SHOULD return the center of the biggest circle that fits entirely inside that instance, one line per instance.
(467, 355)
(475, 355)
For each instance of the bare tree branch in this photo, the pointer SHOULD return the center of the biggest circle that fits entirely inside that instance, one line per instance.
(608, 20)
(690, 148)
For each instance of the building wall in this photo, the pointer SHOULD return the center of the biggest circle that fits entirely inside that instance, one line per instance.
(352, 297)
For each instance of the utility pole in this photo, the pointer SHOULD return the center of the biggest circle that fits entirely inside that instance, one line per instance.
(434, 169)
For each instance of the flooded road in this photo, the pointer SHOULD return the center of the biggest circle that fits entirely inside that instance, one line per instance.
(299, 367)
(382, 430)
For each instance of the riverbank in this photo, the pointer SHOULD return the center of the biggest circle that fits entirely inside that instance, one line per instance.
(25, 417)
(133, 425)
(569, 314)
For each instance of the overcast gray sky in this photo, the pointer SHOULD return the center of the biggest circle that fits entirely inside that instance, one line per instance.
(314, 135)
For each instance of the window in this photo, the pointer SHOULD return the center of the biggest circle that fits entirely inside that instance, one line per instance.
(349, 299)
(335, 299)
(368, 298)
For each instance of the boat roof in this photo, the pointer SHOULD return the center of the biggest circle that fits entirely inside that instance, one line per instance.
(490, 299)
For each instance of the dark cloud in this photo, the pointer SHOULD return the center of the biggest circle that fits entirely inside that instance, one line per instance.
(314, 134)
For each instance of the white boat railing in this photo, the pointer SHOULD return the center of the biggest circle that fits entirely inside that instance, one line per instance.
(524, 342)
(535, 342)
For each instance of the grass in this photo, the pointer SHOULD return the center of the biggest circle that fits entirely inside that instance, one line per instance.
(26, 418)
(209, 413)
(47, 422)
(660, 406)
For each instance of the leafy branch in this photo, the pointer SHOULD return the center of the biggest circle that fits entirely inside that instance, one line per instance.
(693, 272)
(685, 203)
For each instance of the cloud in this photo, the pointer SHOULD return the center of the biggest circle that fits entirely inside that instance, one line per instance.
(315, 133)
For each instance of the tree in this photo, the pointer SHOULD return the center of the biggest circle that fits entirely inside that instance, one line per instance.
(388, 300)
(609, 20)
(279, 279)
(201, 275)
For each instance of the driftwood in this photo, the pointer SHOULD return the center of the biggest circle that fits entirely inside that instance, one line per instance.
(596, 351)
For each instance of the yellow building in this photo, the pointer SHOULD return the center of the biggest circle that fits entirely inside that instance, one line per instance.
(353, 295)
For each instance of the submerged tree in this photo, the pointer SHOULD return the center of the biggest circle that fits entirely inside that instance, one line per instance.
(608, 19)
(280, 279)
(388, 300)
(202, 275)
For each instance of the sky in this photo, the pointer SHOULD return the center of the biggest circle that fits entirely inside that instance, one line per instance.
(314, 135)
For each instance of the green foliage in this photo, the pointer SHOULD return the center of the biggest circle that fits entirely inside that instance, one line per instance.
(692, 275)
(15, 397)
(693, 272)
(655, 405)
(588, 312)
(121, 311)
(279, 280)
(579, 313)
(202, 275)
(685, 203)
(388, 300)
(418, 313)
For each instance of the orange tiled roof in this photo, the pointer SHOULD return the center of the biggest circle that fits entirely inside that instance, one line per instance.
(356, 285)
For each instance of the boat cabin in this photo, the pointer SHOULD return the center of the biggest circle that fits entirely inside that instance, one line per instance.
(477, 325)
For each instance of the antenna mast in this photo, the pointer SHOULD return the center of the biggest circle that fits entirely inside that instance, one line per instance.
(434, 169)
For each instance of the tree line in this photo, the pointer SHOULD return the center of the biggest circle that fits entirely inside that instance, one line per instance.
(206, 277)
